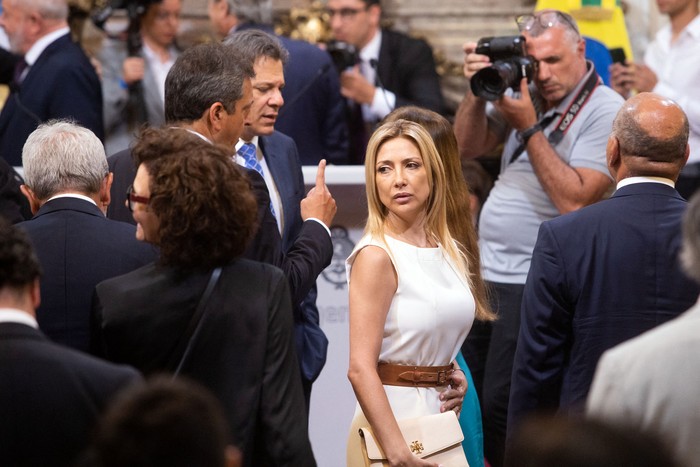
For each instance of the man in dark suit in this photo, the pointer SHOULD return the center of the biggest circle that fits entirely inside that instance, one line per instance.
(67, 184)
(275, 157)
(314, 116)
(608, 272)
(198, 81)
(53, 77)
(393, 70)
(50, 396)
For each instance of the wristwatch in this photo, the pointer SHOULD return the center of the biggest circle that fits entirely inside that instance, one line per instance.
(525, 135)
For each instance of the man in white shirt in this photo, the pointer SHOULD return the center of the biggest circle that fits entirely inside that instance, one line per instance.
(671, 68)
(393, 69)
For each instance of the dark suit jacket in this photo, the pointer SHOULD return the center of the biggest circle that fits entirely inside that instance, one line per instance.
(78, 247)
(598, 277)
(283, 161)
(243, 352)
(61, 84)
(13, 204)
(406, 67)
(313, 114)
(50, 397)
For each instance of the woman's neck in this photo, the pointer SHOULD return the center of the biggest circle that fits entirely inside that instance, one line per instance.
(412, 233)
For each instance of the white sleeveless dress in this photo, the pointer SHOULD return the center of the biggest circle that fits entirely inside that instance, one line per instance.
(428, 319)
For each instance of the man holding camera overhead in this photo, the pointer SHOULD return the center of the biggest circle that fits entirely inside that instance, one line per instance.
(553, 162)
(390, 70)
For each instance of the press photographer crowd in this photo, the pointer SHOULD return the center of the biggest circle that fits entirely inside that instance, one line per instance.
(523, 290)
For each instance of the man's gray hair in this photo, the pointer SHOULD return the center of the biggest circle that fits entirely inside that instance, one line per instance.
(62, 156)
(52, 9)
(690, 252)
(253, 44)
(254, 11)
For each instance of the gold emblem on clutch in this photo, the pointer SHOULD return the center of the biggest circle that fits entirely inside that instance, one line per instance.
(416, 447)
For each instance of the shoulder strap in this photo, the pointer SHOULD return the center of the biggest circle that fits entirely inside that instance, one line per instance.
(592, 82)
(191, 331)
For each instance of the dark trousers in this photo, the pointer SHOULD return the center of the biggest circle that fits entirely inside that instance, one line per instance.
(489, 351)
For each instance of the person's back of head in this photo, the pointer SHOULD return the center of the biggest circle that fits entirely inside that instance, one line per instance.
(559, 441)
(650, 136)
(165, 422)
(19, 267)
(59, 157)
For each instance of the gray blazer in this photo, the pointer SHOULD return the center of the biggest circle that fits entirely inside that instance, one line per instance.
(115, 97)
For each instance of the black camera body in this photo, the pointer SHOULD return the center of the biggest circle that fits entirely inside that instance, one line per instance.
(344, 55)
(510, 64)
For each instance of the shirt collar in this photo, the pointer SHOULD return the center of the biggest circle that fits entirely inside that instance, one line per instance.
(371, 50)
(39, 46)
(241, 142)
(693, 28)
(13, 315)
(73, 195)
(632, 180)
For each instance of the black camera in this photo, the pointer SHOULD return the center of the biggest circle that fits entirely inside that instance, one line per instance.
(510, 64)
(344, 55)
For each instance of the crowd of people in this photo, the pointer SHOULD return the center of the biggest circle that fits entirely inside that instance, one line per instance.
(159, 253)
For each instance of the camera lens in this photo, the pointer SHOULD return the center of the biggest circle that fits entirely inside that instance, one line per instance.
(490, 83)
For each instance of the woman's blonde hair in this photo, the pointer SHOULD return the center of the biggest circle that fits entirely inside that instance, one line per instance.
(458, 211)
(435, 211)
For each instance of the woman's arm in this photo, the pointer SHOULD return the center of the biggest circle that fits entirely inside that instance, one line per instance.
(373, 283)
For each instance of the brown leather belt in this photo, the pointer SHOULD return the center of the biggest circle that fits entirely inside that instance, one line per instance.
(411, 375)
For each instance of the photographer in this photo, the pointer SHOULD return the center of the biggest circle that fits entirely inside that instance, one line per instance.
(392, 70)
(124, 112)
(553, 162)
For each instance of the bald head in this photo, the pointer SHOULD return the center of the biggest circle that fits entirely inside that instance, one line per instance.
(650, 136)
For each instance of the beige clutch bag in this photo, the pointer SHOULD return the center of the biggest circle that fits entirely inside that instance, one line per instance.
(437, 438)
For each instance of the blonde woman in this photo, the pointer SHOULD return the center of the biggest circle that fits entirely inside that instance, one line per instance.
(411, 301)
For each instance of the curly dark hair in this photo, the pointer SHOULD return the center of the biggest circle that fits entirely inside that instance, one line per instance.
(202, 199)
(19, 265)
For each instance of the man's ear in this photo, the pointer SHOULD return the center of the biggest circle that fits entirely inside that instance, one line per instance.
(34, 202)
(216, 116)
(105, 191)
(612, 154)
(36, 293)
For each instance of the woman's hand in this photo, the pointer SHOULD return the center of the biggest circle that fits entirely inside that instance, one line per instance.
(453, 397)
(411, 461)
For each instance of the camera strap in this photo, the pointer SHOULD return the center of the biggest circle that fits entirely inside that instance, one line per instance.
(567, 117)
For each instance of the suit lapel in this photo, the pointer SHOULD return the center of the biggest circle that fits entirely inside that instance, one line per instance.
(274, 154)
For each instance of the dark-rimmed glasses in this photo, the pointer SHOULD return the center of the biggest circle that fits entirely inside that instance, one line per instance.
(541, 20)
(344, 13)
(132, 198)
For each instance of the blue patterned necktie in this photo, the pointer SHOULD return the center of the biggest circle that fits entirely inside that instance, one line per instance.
(250, 155)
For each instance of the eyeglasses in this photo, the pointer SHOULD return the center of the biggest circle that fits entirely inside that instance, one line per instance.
(131, 198)
(538, 22)
(344, 13)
